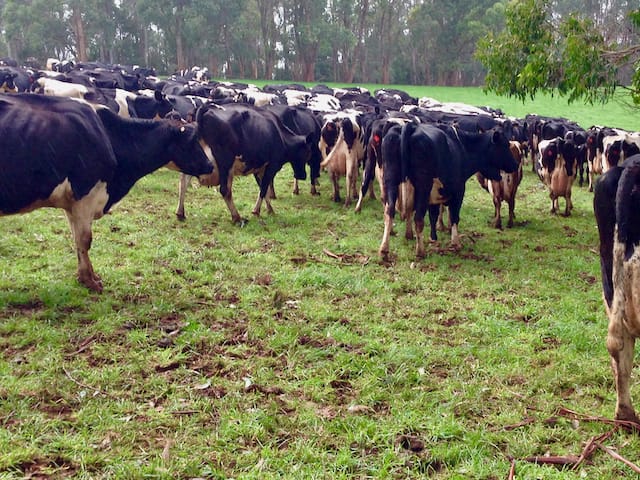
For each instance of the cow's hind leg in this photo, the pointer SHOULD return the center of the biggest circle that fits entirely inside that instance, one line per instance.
(82, 236)
(620, 345)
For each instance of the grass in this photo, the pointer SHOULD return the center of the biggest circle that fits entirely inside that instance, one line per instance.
(286, 349)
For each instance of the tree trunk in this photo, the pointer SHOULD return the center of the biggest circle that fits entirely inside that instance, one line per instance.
(181, 59)
(81, 35)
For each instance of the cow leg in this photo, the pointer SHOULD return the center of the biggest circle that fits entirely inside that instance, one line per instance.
(265, 181)
(512, 211)
(296, 188)
(351, 179)
(389, 214)
(406, 197)
(80, 223)
(228, 199)
(620, 345)
(182, 189)
(455, 204)
(568, 204)
(335, 180)
(497, 220)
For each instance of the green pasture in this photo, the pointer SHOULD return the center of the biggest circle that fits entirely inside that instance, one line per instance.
(285, 349)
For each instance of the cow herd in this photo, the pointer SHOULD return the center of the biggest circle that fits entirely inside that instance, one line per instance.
(79, 136)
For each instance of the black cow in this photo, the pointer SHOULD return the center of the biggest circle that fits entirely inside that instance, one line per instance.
(245, 140)
(143, 106)
(374, 165)
(617, 209)
(57, 152)
(302, 121)
(438, 160)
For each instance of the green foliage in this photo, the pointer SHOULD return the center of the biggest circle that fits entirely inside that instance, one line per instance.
(539, 53)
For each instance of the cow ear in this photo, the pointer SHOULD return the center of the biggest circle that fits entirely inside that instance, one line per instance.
(495, 138)
(158, 95)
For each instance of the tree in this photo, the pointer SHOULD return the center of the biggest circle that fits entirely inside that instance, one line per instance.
(541, 51)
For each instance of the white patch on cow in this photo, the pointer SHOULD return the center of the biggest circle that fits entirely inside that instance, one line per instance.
(121, 100)
(57, 88)
(435, 197)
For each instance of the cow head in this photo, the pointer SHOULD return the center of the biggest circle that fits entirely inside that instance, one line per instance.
(614, 152)
(329, 134)
(301, 148)
(6, 81)
(569, 151)
(190, 155)
(500, 157)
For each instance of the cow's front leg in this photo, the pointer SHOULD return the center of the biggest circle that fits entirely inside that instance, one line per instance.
(182, 189)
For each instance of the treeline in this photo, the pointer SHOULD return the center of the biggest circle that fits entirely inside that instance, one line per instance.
(351, 41)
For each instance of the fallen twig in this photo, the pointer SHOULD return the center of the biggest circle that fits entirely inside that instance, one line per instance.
(617, 456)
(83, 385)
(591, 446)
(565, 412)
(512, 470)
(83, 346)
(567, 460)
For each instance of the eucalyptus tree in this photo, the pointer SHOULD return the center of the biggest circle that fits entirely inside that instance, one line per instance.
(305, 27)
(541, 51)
(37, 29)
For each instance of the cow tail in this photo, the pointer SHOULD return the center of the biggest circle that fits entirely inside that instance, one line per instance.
(405, 149)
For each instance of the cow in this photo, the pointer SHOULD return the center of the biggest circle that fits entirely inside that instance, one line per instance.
(556, 167)
(437, 160)
(7, 84)
(244, 140)
(342, 148)
(616, 205)
(58, 152)
(373, 161)
(302, 121)
(618, 147)
(506, 188)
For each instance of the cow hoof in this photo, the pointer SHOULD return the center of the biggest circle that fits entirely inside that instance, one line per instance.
(241, 222)
(181, 217)
(94, 284)
(296, 191)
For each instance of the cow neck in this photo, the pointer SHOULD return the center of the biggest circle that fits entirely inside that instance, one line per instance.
(140, 147)
(473, 144)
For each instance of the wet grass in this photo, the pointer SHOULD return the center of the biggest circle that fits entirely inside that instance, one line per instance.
(287, 349)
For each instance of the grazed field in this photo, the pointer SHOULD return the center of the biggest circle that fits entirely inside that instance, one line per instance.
(286, 349)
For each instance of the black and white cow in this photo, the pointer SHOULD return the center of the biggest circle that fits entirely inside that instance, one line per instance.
(556, 167)
(245, 140)
(617, 210)
(342, 148)
(57, 152)
(438, 160)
